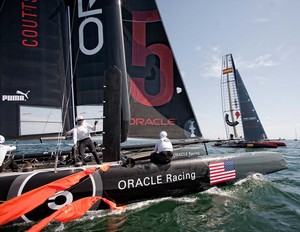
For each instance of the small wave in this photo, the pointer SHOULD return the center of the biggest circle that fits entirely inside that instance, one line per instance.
(185, 199)
(257, 177)
(218, 191)
(91, 215)
(61, 227)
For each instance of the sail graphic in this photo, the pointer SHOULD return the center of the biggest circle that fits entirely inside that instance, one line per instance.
(158, 98)
(62, 51)
(239, 113)
(53, 58)
(33, 60)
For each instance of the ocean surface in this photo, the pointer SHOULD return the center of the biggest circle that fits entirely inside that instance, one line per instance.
(257, 203)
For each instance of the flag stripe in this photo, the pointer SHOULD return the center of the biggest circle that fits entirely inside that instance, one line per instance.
(227, 70)
(221, 171)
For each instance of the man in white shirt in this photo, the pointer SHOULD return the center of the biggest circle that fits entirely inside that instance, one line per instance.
(5, 158)
(82, 138)
(163, 151)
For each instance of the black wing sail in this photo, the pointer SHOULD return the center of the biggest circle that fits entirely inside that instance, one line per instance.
(98, 45)
(158, 100)
(33, 57)
(252, 126)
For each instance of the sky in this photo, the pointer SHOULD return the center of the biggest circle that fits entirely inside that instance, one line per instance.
(264, 38)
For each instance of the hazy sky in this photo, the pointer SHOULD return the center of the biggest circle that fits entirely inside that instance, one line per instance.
(264, 39)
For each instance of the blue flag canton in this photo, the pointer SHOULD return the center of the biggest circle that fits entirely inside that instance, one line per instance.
(229, 165)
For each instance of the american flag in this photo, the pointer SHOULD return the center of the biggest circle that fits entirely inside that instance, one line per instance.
(221, 171)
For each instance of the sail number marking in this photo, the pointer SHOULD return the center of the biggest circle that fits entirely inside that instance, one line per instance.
(65, 194)
(87, 15)
(140, 52)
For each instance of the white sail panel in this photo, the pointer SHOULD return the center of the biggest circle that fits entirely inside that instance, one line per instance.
(40, 120)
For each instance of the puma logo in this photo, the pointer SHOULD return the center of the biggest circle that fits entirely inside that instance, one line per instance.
(24, 94)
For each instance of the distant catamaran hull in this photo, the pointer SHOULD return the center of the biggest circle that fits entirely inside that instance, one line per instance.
(244, 144)
(144, 181)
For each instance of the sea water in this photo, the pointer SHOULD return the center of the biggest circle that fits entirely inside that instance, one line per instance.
(257, 203)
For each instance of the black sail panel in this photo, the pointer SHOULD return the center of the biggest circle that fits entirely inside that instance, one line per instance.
(32, 66)
(158, 97)
(252, 126)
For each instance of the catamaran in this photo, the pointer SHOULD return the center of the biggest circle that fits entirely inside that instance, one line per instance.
(107, 59)
(242, 124)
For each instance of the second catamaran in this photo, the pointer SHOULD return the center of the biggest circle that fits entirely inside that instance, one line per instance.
(243, 126)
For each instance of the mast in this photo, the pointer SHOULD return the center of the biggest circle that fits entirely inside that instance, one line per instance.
(97, 39)
(112, 115)
(229, 95)
(230, 100)
(71, 67)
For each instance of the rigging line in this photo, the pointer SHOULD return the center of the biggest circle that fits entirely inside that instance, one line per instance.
(141, 21)
(69, 72)
(59, 138)
(75, 61)
(69, 65)
(47, 120)
(64, 99)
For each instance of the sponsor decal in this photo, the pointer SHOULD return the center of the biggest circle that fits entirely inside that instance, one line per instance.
(250, 119)
(19, 96)
(186, 154)
(29, 17)
(152, 121)
(192, 128)
(155, 180)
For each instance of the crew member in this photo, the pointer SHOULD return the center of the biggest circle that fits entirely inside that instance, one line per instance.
(163, 151)
(5, 157)
(82, 138)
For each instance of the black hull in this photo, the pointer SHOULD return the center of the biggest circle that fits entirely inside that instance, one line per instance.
(143, 181)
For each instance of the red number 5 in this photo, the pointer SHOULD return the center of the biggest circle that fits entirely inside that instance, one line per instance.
(139, 56)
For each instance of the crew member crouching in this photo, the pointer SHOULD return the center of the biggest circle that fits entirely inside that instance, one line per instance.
(163, 151)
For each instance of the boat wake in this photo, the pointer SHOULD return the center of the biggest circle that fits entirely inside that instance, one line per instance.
(240, 188)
